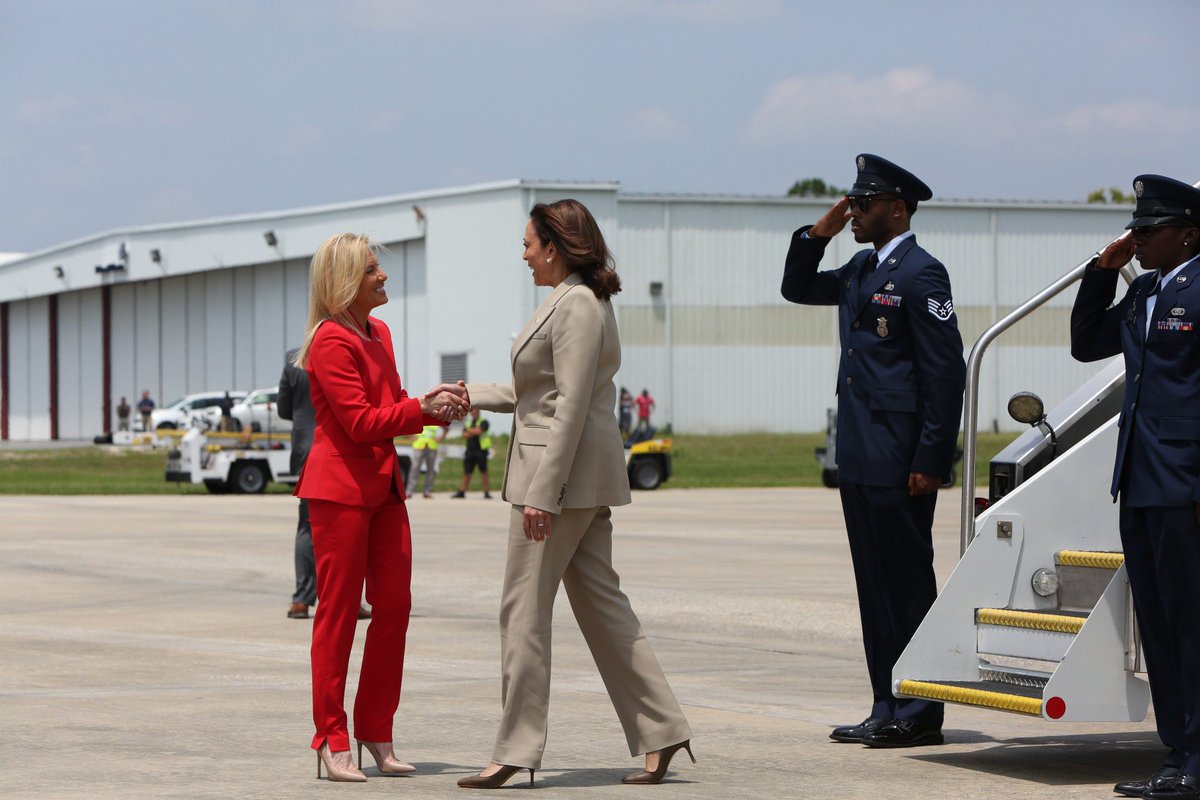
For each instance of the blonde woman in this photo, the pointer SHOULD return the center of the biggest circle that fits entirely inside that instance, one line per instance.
(355, 495)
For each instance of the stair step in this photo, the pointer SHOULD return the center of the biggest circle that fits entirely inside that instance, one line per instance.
(985, 694)
(1009, 677)
(1089, 558)
(1053, 621)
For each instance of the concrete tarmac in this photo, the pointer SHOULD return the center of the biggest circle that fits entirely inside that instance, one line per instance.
(146, 654)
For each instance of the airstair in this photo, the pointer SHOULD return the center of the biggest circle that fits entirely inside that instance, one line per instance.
(1037, 617)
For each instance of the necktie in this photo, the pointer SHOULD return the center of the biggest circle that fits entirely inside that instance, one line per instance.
(872, 262)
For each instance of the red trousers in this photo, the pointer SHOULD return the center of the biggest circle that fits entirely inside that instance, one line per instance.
(351, 545)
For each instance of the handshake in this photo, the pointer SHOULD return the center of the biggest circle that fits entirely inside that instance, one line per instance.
(448, 402)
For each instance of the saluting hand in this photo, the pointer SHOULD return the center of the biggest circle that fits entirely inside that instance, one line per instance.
(1117, 254)
(834, 220)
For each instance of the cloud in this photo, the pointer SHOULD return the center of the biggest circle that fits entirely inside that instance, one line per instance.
(1129, 116)
(902, 100)
(99, 112)
(43, 110)
(654, 125)
(911, 104)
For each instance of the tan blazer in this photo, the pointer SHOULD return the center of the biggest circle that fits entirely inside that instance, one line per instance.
(565, 450)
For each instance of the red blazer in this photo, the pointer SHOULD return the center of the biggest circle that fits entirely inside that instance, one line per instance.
(359, 406)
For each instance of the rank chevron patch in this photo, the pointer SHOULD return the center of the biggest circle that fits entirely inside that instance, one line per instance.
(943, 310)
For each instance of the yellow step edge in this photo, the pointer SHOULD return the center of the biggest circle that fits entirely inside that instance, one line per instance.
(1086, 558)
(1056, 623)
(972, 697)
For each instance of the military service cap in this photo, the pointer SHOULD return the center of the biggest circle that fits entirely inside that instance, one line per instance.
(1164, 201)
(879, 176)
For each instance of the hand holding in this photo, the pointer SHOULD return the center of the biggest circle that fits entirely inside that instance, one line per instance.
(834, 220)
(445, 405)
(919, 483)
(1117, 254)
(458, 389)
(536, 524)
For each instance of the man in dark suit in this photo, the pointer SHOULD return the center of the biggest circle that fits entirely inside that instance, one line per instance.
(1157, 472)
(294, 403)
(900, 385)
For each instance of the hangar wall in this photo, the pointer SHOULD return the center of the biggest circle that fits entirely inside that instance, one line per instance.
(702, 323)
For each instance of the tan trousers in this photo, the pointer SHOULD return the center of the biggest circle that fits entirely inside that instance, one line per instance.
(579, 554)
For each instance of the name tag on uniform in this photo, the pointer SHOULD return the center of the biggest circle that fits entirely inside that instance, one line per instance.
(890, 300)
(1173, 325)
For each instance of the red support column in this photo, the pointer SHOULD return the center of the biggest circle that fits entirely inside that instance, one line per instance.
(4, 371)
(53, 321)
(106, 346)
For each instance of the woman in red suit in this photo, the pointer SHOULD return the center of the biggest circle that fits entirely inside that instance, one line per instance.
(355, 496)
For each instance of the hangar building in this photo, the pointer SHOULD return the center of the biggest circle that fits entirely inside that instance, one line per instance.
(213, 304)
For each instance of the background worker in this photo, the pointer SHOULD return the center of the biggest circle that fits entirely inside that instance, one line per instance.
(478, 448)
(425, 451)
(145, 408)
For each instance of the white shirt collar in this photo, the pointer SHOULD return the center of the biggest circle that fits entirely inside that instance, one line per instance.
(887, 249)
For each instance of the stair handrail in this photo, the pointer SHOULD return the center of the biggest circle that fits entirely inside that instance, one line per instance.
(971, 395)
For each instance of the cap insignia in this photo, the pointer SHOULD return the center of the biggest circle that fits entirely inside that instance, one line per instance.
(862, 163)
(1138, 188)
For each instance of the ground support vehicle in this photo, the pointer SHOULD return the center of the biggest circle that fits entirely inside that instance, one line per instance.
(184, 413)
(648, 463)
(1037, 617)
(243, 463)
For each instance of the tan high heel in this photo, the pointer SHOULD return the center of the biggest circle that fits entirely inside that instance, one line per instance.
(495, 780)
(385, 758)
(664, 760)
(334, 771)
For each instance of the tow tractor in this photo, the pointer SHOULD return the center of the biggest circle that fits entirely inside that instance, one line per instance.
(649, 463)
(244, 463)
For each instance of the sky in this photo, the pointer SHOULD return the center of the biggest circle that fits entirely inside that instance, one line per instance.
(122, 113)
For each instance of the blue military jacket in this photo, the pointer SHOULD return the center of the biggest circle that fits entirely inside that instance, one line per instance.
(901, 375)
(1158, 445)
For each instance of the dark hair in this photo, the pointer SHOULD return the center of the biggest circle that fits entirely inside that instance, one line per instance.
(571, 228)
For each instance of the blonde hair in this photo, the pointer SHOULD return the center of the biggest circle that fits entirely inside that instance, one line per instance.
(334, 278)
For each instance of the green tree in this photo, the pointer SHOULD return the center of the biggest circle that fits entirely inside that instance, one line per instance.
(1113, 195)
(814, 187)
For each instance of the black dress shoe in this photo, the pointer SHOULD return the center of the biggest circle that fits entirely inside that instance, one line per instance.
(1181, 787)
(903, 733)
(1139, 788)
(853, 734)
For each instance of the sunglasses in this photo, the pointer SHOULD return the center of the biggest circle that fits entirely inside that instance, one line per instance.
(862, 203)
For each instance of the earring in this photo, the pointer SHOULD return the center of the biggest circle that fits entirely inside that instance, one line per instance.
(548, 260)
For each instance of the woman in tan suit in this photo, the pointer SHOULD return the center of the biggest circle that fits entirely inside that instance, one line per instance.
(566, 467)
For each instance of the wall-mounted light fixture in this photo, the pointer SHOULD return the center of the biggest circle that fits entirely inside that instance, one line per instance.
(58, 271)
(156, 255)
(656, 288)
(269, 236)
(122, 252)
